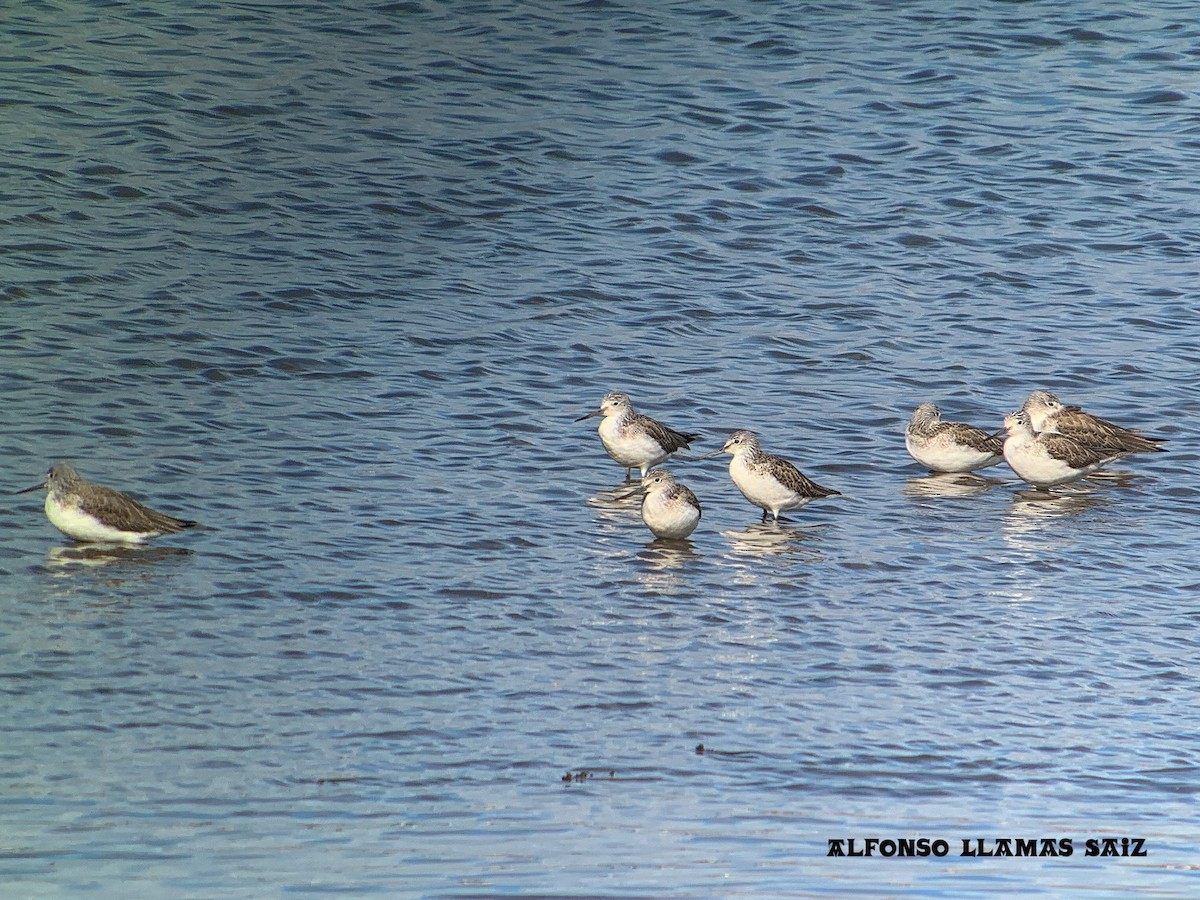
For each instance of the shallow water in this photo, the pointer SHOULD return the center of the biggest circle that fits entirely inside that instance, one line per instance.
(336, 283)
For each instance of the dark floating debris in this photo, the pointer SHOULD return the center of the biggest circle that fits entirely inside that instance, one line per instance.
(699, 749)
(584, 775)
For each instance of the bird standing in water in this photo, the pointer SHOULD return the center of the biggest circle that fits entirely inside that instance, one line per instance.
(1045, 459)
(766, 480)
(634, 440)
(1047, 413)
(669, 508)
(92, 513)
(949, 446)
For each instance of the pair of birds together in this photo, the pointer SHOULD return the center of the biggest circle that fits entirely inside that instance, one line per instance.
(1047, 444)
(669, 508)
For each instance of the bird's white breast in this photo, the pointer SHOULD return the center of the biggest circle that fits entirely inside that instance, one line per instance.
(1033, 462)
(630, 446)
(669, 517)
(944, 454)
(760, 487)
(75, 523)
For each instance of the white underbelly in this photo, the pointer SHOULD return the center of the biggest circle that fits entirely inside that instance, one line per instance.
(762, 489)
(669, 519)
(76, 524)
(1031, 461)
(948, 456)
(630, 446)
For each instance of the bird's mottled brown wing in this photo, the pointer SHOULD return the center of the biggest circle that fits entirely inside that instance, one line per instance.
(1073, 421)
(670, 439)
(684, 492)
(121, 511)
(795, 480)
(1077, 454)
(975, 438)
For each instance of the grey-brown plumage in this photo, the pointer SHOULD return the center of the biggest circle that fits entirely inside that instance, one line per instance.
(1047, 413)
(792, 478)
(949, 446)
(95, 513)
(1047, 458)
(1074, 453)
(768, 481)
(635, 440)
(667, 437)
(975, 438)
(669, 508)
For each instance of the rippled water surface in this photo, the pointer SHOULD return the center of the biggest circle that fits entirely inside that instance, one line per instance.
(337, 279)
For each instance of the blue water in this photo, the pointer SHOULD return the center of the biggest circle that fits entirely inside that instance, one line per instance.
(336, 281)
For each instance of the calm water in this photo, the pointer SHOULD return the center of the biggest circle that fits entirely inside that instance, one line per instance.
(337, 281)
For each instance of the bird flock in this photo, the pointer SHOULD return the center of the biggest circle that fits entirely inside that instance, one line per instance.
(1045, 442)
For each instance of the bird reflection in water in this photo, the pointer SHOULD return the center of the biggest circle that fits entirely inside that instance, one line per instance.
(665, 553)
(663, 563)
(1082, 495)
(950, 484)
(615, 505)
(1116, 477)
(115, 558)
(1036, 518)
(1045, 504)
(769, 539)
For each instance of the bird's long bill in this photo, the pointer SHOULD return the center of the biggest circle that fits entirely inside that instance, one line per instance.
(998, 433)
(594, 412)
(36, 487)
(705, 456)
(633, 493)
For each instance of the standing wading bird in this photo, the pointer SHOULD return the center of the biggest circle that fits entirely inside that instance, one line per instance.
(669, 508)
(768, 481)
(93, 513)
(949, 446)
(634, 440)
(1046, 459)
(1047, 413)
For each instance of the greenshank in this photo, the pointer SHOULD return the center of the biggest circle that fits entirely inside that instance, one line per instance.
(949, 446)
(92, 513)
(669, 508)
(634, 440)
(1045, 459)
(768, 481)
(1047, 413)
